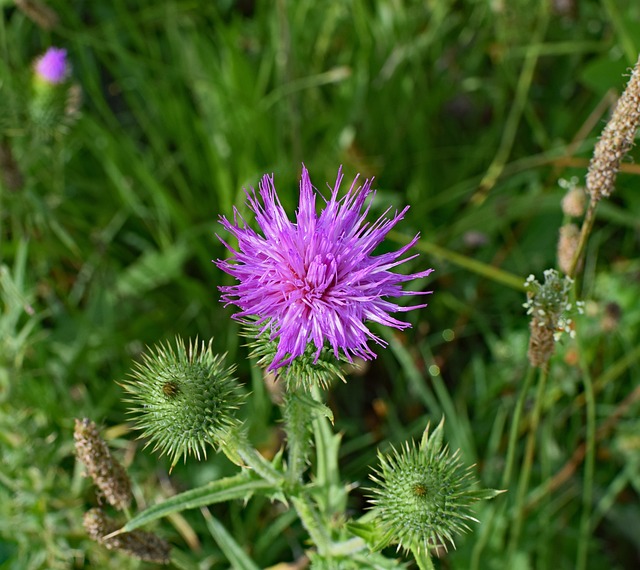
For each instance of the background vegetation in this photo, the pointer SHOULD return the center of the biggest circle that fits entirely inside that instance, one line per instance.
(469, 110)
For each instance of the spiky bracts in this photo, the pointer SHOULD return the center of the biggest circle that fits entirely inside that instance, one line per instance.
(184, 399)
(424, 495)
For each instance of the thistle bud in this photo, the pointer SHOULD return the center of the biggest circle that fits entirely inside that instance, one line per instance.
(52, 67)
(551, 314)
(424, 495)
(137, 543)
(48, 105)
(184, 399)
(105, 470)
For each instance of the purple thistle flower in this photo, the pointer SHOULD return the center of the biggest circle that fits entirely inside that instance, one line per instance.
(52, 66)
(315, 280)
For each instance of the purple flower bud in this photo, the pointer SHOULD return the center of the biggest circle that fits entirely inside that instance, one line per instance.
(52, 66)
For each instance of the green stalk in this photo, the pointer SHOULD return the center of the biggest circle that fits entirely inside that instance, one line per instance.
(587, 225)
(423, 558)
(312, 522)
(297, 421)
(240, 451)
(487, 525)
(527, 462)
(589, 468)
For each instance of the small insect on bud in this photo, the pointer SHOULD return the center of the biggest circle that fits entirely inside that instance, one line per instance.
(184, 399)
(107, 473)
(137, 543)
(424, 495)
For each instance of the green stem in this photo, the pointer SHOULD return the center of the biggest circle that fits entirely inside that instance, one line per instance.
(496, 513)
(587, 225)
(423, 558)
(515, 428)
(313, 522)
(240, 451)
(527, 462)
(348, 547)
(297, 424)
(589, 467)
(516, 109)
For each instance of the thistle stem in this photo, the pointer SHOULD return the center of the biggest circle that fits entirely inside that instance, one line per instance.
(240, 451)
(312, 522)
(297, 425)
(589, 468)
(423, 558)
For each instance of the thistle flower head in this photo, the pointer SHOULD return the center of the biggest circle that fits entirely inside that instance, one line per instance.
(184, 399)
(315, 281)
(52, 67)
(424, 494)
(105, 470)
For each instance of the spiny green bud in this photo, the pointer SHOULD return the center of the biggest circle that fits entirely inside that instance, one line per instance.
(107, 473)
(303, 372)
(184, 399)
(137, 543)
(424, 495)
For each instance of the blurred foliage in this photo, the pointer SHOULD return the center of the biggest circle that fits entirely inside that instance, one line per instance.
(468, 110)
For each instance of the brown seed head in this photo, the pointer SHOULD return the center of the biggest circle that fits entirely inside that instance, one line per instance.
(107, 473)
(616, 140)
(137, 543)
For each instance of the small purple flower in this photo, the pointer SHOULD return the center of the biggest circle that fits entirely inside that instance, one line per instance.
(52, 66)
(316, 280)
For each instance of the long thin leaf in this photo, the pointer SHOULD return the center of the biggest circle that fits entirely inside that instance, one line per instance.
(237, 487)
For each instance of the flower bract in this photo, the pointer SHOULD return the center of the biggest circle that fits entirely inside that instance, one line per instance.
(424, 494)
(184, 399)
(316, 280)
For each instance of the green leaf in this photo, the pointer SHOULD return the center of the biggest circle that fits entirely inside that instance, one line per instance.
(232, 550)
(240, 486)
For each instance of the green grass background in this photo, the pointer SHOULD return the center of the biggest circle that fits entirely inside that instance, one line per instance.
(469, 110)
